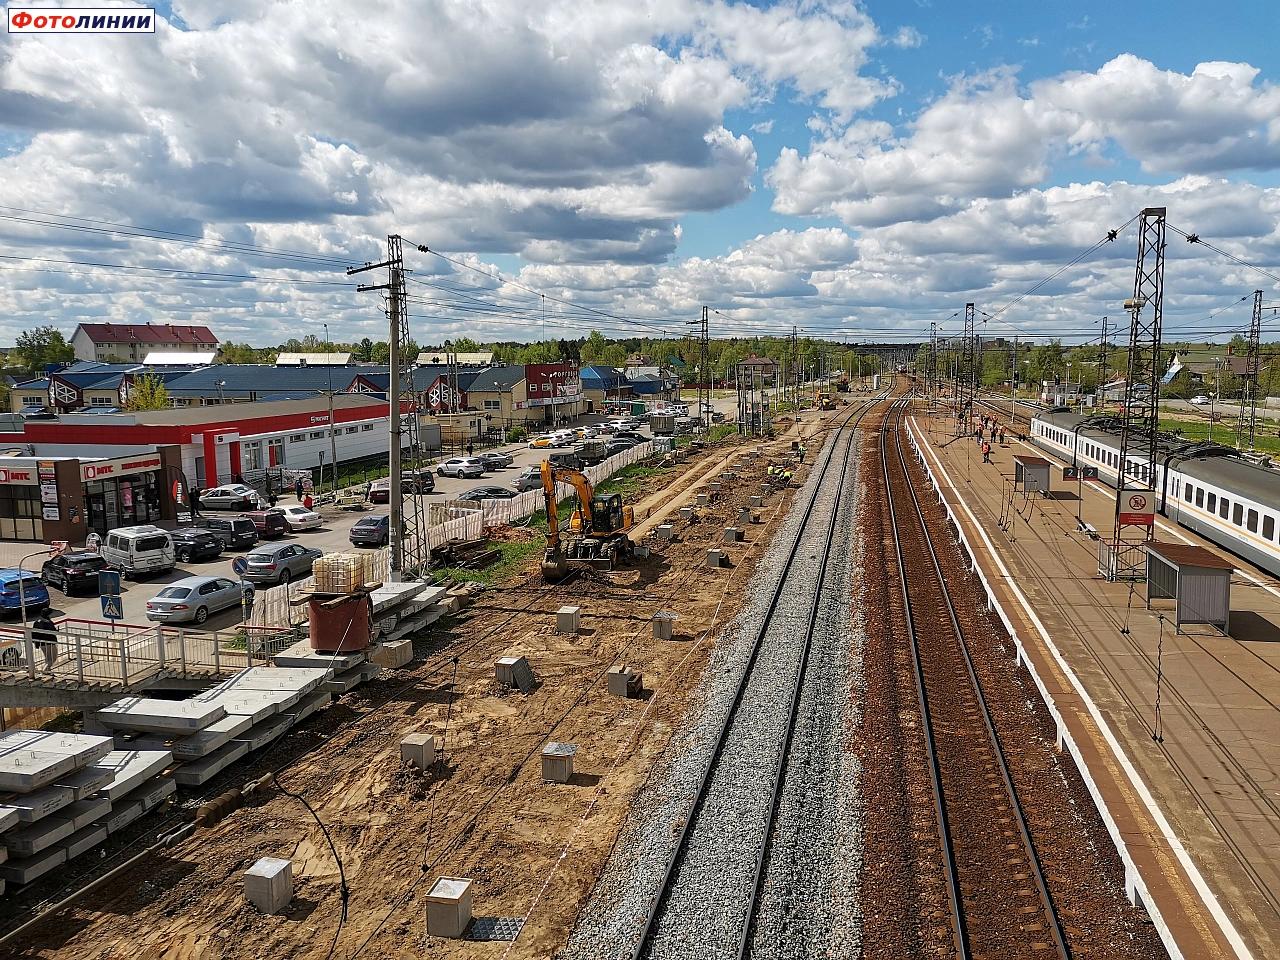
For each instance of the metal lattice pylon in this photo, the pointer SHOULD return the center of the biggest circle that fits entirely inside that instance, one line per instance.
(965, 374)
(1125, 558)
(1247, 425)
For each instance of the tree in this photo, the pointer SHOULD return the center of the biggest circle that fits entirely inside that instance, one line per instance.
(593, 348)
(147, 393)
(41, 346)
(364, 350)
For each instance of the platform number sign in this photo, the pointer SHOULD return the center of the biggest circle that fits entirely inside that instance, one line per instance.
(1088, 473)
(1136, 508)
(1070, 473)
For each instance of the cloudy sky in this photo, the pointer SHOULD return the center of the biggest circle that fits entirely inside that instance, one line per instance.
(857, 170)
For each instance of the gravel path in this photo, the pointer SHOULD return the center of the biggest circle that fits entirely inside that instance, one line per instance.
(707, 908)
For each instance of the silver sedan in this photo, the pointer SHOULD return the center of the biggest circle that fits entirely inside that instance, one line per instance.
(193, 599)
(279, 562)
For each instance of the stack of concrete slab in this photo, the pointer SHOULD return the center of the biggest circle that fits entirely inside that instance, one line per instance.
(52, 798)
(348, 669)
(399, 609)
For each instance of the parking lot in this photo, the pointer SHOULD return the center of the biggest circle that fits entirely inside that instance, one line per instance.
(333, 535)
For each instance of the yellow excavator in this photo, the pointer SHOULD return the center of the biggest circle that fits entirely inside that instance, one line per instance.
(598, 528)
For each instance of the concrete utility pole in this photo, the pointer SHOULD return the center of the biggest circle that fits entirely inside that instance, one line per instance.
(333, 436)
(1102, 370)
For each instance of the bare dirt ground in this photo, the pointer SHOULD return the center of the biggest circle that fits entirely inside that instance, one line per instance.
(533, 849)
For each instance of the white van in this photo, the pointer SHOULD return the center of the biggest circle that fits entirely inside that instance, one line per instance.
(141, 549)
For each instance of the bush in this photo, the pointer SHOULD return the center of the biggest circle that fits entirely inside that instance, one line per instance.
(722, 430)
(516, 434)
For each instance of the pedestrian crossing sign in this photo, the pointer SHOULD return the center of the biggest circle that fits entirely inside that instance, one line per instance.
(112, 608)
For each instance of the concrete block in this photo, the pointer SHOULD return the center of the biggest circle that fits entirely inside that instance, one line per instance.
(713, 488)
(87, 781)
(418, 749)
(31, 868)
(84, 812)
(28, 841)
(665, 531)
(300, 679)
(146, 797)
(316, 701)
(663, 625)
(266, 732)
(257, 705)
(15, 745)
(369, 670)
(175, 717)
(568, 619)
(131, 768)
(704, 499)
(766, 489)
(23, 771)
(557, 762)
(757, 501)
(504, 670)
(196, 772)
(83, 840)
(268, 884)
(449, 907)
(640, 551)
(211, 737)
(397, 653)
(686, 513)
(623, 682)
(715, 558)
(732, 535)
(35, 806)
(301, 655)
(344, 681)
(8, 817)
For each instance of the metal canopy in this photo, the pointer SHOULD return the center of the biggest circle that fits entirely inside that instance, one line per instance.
(1196, 579)
(1031, 474)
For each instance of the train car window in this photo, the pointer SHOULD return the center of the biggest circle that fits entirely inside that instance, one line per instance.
(1237, 515)
(1224, 507)
(1252, 523)
(1269, 527)
(1188, 493)
(1213, 500)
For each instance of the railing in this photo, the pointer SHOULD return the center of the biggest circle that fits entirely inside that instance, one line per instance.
(123, 655)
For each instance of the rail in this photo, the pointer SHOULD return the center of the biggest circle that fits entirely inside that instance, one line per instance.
(656, 907)
(959, 914)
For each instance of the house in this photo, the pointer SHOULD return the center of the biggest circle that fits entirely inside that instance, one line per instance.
(133, 341)
(483, 358)
(652, 381)
(601, 384)
(1208, 363)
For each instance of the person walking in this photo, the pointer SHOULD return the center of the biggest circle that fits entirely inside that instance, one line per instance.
(986, 451)
(470, 448)
(44, 637)
(195, 502)
(297, 489)
(801, 453)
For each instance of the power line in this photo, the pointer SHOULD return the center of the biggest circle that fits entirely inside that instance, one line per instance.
(178, 272)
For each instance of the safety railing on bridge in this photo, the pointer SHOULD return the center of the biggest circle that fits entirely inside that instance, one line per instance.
(90, 653)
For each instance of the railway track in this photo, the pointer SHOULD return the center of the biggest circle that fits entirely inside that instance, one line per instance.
(711, 886)
(1000, 905)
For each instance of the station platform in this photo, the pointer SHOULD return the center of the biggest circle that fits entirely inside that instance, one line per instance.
(1192, 795)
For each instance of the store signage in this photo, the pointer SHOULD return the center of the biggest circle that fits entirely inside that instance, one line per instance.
(119, 467)
(17, 475)
(51, 513)
(64, 394)
(1136, 508)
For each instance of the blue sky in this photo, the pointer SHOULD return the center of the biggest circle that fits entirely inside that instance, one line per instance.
(853, 169)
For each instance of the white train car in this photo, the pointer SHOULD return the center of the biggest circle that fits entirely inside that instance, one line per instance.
(1205, 487)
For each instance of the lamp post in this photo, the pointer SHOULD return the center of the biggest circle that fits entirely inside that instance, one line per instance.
(333, 439)
(22, 587)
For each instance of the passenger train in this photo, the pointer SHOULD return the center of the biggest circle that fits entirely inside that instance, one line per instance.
(1206, 487)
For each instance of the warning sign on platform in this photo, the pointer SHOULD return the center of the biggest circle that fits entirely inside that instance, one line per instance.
(1136, 508)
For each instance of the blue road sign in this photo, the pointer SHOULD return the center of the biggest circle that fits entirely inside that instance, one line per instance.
(109, 583)
(240, 565)
(112, 608)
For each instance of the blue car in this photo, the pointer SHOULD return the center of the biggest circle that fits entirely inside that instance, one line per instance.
(34, 594)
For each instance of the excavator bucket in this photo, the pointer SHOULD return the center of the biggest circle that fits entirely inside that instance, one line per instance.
(555, 567)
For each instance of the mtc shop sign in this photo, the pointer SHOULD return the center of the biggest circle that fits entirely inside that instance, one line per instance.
(119, 467)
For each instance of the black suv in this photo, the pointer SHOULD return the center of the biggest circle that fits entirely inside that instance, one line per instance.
(73, 571)
(195, 543)
(236, 533)
(371, 531)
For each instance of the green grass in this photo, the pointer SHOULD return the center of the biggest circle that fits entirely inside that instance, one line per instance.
(720, 431)
(629, 480)
(514, 555)
(1265, 441)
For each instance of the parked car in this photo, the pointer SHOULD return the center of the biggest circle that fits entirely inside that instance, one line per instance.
(564, 438)
(278, 563)
(530, 478)
(542, 441)
(567, 460)
(380, 491)
(195, 543)
(617, 446)
(139, 549)
(19, 588)
(416, 483)
(371, 531)
(236, 533)
(1200, 400)
(487, 493)
(630, 435)
(717, 417)
(233, 496)
(461, 467)
(299, 517)
(73, 571)
(269, 523)
(497, 461)
(586, 433)
(192, 599)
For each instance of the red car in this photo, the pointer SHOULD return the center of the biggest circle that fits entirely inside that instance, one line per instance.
(269, 523)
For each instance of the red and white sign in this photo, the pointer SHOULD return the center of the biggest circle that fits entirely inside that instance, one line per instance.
(65, 395)
(119, 467)
(551, 383)
(17, 475)
(1136, 508)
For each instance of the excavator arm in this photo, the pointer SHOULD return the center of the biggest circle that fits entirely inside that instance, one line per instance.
(612, 522)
